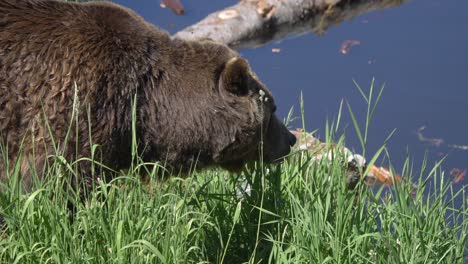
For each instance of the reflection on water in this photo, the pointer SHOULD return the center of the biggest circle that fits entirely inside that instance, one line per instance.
(419, 50)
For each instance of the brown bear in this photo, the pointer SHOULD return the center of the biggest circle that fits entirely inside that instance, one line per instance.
(70, 74)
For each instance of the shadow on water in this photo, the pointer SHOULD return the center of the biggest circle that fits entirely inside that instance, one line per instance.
(418, 49)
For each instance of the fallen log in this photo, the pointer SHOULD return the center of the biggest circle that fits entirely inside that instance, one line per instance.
(252, 23)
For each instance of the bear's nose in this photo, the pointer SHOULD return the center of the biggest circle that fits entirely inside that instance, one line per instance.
(292, 139)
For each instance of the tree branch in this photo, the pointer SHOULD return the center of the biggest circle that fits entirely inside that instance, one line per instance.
(252, 23)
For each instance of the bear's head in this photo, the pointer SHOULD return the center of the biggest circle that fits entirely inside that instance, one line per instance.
(260, 134)
(208, 108)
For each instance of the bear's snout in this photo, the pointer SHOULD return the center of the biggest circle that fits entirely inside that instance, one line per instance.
(292, 139)
(278, 141)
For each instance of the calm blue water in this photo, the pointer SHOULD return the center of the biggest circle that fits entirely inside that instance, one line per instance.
(419, 50)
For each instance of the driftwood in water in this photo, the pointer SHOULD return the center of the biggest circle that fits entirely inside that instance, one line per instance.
(252, 23)
(319, 150)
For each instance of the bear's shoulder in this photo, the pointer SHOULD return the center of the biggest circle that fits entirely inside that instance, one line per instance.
(113, 17)
(90, 21)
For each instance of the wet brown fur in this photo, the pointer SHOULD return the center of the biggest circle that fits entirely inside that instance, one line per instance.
(196, 101)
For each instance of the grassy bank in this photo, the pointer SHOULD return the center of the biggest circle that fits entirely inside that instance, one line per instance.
(300, 212)
(297, 212)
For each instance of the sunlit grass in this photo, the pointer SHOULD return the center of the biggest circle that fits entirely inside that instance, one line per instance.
(297, 212)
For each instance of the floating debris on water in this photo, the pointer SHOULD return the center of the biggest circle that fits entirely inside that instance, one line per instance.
(347, 44)
(458, 175)
(175, 5)
(436, 142)
(461, 147)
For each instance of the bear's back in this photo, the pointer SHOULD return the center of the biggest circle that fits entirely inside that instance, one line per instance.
(51, 51)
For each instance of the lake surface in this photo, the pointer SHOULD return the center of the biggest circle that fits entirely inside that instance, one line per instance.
(418, 49)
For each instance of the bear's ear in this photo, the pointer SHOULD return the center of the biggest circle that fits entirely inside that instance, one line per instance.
(234, 77)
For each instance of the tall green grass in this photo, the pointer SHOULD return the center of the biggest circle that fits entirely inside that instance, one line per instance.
(296, 212)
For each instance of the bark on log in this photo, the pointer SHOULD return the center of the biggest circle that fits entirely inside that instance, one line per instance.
(252, 23)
